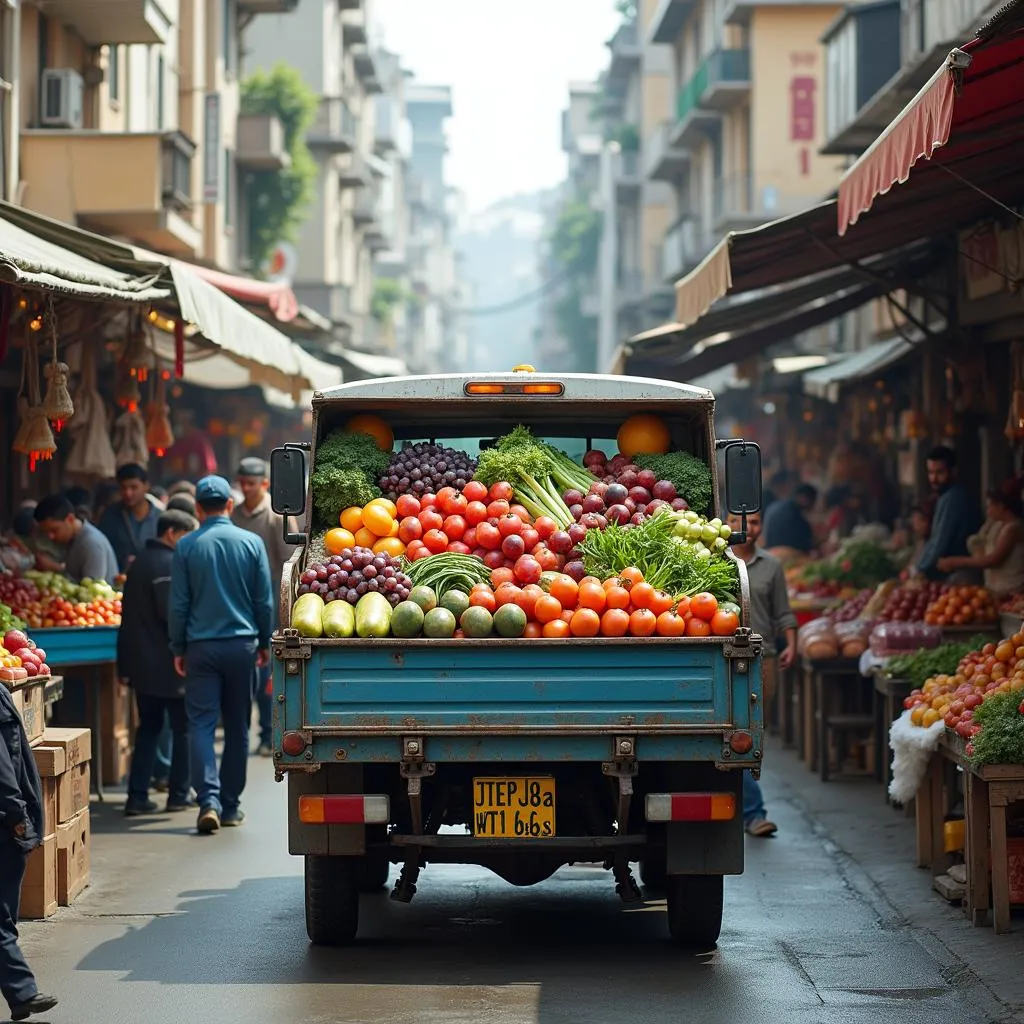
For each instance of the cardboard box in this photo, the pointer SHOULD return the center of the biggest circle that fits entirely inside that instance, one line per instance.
(50, 761)
(72, 792)
(28, 701)
(117, 756)
(76, 744)
(39, 888)
(74, 841)
(1015, 856)
(49, 805)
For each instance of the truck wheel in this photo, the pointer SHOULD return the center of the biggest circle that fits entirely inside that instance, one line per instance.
(332, 900)
(694, 909)
(373, 872)
(652, 873)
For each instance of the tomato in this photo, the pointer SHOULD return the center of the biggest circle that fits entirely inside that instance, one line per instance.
(436, 541)
(670, 623)
(683, 608)
(528, 597)
(494, 559)
(469, 538)
(476, 513)
(410, 529)
(483, 599)
(499, 576)
(724, 623)
(556, 629)
(444, 496)
(488, 537)
(585, 622)
(455, 527)
(531, 538)
(500, 491)
(642, 595)
(407, 505)
(518, 510)
(703, 606)
(643, 622)
(457, 506)
(592, 595)
(565, 590)
(615, 622)
(431, 520)
(474, 491)
(616, 596)
(507, 593)
(698, 627)
(428, 500)
(510, 524)
(661, 602)
(497, 509)
(457, 547)
(549, 561)
(545, 526)
(527, 569)
(631, 576)
(547, 609)
(533, 631)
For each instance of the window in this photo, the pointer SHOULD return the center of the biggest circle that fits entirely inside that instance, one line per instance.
(229, 34)
(229, 188)
(43, 54)
(114, 73)
(160, 99)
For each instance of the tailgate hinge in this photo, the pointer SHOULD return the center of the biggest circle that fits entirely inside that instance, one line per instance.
(623, 767)
(415, 768)
(292, 650)
(741, 647)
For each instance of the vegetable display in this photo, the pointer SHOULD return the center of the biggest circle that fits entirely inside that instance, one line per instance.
(920, 666)
(449, 571)
(859, 564)
(1000, 731)
(20, 657)
(42, 600)
(424, 469)
(347, 464)
(354, 572)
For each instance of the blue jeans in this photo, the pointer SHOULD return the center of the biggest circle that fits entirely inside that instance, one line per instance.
(221, 680)
(753, 801)
(265, 705)
(153, 715)
(17, 982)
(164, 753)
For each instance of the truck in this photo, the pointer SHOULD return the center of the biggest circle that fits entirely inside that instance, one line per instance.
(518, 755)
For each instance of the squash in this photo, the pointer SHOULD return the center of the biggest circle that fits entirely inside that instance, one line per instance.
(644, 434)
(375, 427)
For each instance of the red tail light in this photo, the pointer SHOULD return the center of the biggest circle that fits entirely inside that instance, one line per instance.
(354, 809)
(690, 806)
(293, 743)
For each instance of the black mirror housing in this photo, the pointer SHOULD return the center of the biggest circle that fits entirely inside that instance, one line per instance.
(288, 486)
(743, 478)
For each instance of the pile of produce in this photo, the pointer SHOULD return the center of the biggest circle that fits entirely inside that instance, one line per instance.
(20, 658)
(997, 735)
(424, 469)
(857, 565)
(679, 478)
(920, 666)
(851, 608)
(373, 526)
(347, 466)
(909, 602)
(1013, 604)
(44, 600)
(962, 606)
(351, 574)
(897, 638)
(8, 620)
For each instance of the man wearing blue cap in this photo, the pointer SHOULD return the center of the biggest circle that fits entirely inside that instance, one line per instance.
(220, 621)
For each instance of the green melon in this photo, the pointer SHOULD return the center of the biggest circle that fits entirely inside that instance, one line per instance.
(510, 621)
(477, 623)
(407, 620)
(439, 624)
(455, 601)
(424, 597)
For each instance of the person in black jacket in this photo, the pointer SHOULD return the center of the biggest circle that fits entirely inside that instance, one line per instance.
(145, 662)
(21, 831)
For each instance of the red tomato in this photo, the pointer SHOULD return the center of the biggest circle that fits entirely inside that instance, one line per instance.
(703, 606)
(528, 597)
(500, 491)
(549, 561)
(431, 520)
(500, 576)
(469, 538)
(459, 548)
(498, 508)
(510, 524)
(488, 537)
(455, 527)
(494, 559)
(476, 512)
(724, 623)
(518, 510)
(416, 550)
(698, 627)
(531, 538)
(507, 593)
(528, 570)
(428, 500)
(410, 529)
(407, 505)
(457, 506)
(444, 496)
(474, 491)
(671, 624)
(435, 541)
(545, 526)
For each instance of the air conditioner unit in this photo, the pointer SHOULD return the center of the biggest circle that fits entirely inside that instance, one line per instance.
(61, 102)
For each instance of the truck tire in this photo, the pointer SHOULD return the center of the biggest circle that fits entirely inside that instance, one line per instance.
(694, 909)
(373, 872)
(332, 900)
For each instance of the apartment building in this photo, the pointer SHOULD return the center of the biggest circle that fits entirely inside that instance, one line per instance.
(437, 337)
(128, 119)
(741, 143)
(331, 42)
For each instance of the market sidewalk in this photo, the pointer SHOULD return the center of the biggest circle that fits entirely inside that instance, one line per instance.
(874, 845)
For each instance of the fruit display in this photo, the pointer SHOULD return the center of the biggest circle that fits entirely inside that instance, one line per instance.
(963, 606)
(21, 658)
(851, 608)
(424, 469)
(8, 620)
(352, 573)
(48, 600)
(373, 526)
(909, 602)
(919, 666)
(1013, 604)
(688, 477)
(347, 466)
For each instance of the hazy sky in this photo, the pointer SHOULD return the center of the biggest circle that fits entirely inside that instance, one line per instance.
(509, 63)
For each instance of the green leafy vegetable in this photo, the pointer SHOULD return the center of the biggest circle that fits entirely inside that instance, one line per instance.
(666, 562)
(1001, 740)
(691, 477)
(335, 489)
(920, 666)
(347, 450)
(860, 564)
(537, 472)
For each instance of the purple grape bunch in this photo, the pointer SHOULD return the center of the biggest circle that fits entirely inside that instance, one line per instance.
(424, 469)
(354, 572)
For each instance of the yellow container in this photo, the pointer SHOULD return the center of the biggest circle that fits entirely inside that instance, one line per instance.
(953, 833)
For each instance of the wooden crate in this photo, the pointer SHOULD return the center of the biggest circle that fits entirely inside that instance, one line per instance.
(74, 843)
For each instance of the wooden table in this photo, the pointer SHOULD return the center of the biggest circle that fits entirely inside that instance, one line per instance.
(887, 704)
(824, 684)
(988, 791)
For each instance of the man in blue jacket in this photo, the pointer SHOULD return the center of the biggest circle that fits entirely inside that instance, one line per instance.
(21, 831)
(131, 522)
(955, 519)
(220, 621)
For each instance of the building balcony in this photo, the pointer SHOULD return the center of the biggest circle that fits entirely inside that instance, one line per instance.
(629, 288)
(148, 199)
(737, 206)
(686, 244)
(353, 27)
(365, 208)
(330, 300)
(663, 160)
(366, 68)
(113, 21)
(356, 173)
(625, 56)
(267, 6)
(669, 19)
(626, 173)
(260, 145)
(334, 129)
(722, 81)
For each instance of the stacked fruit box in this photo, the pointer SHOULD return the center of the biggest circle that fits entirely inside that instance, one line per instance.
(58, 870)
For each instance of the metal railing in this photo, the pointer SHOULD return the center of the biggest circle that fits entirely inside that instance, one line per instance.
(735, 200)
(176, 153)
(719, 67)
(334, 124)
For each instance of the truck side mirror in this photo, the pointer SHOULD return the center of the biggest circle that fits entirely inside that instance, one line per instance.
(743, 478)
(288, 486)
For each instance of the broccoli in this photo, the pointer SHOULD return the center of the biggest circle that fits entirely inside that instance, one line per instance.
(345, 450)
(691, 477)
(337, 488)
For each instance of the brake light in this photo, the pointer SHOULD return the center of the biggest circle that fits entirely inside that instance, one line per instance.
(355, 809)
(293, 743)
(690, 807)
(741, 742)
(488, 388)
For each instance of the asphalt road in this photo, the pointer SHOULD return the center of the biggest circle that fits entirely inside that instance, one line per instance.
(178, 927)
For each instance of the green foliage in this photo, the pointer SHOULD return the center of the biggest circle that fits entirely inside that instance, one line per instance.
(627, 8)
(691, 476)
(626, 135)
(336, 488)
(346, 449)
(277, 200)
(1001, 740)
(576, 238)
(387, 294)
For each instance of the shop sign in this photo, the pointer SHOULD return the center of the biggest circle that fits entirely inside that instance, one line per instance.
(211, 148)
(803, 87)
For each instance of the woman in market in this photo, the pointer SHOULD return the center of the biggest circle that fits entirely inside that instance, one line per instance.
(998, 548)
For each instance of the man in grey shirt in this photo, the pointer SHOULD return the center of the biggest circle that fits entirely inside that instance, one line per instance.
(89, 554)
(773, 619)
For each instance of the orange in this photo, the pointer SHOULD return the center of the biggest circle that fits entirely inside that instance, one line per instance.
(352, 518)
(547, 609)
(365, 423)
(378, 520)
(387, 504)
(585, 622)
(615, 622)
(337, 540)
(555, 629)
(389, 546)
(366, 538)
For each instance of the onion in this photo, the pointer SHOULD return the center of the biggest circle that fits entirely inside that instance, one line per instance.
(616, 494)
(619, 514)
(577, 570)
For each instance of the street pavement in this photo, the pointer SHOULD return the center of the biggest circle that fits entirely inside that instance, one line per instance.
(177, 927)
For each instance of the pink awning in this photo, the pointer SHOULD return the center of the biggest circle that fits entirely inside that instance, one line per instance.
(276, 296)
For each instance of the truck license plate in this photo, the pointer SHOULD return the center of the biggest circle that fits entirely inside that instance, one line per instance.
(514, 808)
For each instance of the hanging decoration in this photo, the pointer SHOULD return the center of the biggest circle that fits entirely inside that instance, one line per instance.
(159, 434)
(57, 402)
(91, 453)
(132, 366)
(18, 444)
(179, 348)
(35, 439)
